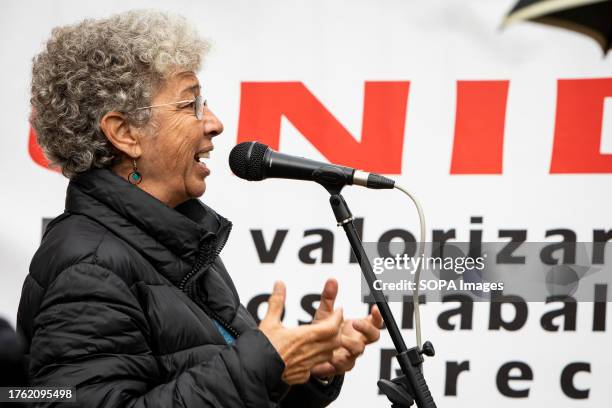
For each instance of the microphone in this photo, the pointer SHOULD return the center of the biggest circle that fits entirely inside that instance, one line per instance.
(255, 161)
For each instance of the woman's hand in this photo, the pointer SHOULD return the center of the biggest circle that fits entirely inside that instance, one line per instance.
(356, 334)
(303, 347)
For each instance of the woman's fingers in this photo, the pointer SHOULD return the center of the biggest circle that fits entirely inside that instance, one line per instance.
(375, 317)
(365, 327)
(355, 346)
(342, 360)
(298, 376)
(330, 346)
(322, 370)
(328, 327)
(328, 297)
(276, 302)
(320, 339)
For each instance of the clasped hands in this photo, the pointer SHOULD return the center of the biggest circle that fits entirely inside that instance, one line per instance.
(327, 347)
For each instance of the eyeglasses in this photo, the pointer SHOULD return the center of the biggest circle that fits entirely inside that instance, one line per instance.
(198, 106)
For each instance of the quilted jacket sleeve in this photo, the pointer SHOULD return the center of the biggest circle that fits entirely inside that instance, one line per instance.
(313, 394)
(90, 332)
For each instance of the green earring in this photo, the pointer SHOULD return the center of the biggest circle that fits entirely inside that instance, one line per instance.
(134, 177)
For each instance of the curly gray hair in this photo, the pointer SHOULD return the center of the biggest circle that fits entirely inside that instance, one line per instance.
(97, 66)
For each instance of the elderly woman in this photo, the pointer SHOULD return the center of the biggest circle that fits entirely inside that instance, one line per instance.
(127, 299)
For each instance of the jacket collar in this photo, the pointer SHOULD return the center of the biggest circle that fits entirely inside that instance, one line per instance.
(146, 223)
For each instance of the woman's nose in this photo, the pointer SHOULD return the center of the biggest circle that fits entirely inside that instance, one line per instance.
(212, 124)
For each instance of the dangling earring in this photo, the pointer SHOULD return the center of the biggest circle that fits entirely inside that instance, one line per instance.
(134, 177)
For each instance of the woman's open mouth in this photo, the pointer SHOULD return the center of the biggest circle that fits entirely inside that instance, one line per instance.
(201, 158)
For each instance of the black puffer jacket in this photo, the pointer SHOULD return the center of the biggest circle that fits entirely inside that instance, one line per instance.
(119, 302)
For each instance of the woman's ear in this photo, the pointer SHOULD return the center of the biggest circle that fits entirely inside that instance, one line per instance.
(118, 130)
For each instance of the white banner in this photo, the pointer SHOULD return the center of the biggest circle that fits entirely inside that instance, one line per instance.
(492, 129)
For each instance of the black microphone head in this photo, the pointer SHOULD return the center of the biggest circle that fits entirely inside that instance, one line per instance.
(247, 160)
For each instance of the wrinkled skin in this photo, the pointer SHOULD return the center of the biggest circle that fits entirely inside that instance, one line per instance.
(328, 347)
(303, 347)
(164, 149)
(356, 334)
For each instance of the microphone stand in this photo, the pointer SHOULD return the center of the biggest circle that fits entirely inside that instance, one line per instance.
(410, 387)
